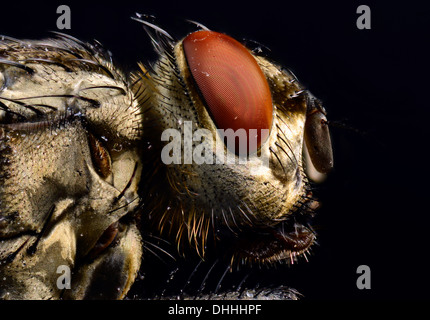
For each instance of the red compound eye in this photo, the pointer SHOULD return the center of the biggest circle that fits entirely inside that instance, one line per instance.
(232, 84)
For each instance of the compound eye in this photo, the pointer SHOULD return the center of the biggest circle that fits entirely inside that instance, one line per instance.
(100, 156)
(232, 85)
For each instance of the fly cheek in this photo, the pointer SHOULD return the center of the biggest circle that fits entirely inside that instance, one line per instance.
(317, 137)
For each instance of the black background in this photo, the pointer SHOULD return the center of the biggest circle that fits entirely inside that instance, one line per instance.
(374, 86)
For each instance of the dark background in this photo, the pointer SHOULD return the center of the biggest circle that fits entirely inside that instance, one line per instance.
(374, 85)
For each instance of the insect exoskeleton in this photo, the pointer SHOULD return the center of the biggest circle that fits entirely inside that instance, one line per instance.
(226, 133)
(69, 170)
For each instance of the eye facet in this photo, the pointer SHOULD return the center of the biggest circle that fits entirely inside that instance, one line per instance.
(231, 83)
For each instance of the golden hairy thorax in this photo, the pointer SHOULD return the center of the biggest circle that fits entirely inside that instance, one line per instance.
(91, 162)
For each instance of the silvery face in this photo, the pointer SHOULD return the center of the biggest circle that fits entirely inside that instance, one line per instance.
(69, 173)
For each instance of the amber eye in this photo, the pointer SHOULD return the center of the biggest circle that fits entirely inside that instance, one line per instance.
(231, 83)
(100, 156)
